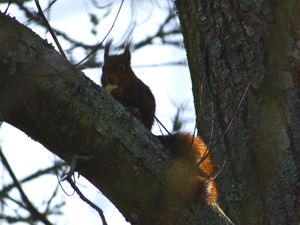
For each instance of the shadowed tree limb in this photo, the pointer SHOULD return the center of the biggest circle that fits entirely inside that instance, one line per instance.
(56, 105)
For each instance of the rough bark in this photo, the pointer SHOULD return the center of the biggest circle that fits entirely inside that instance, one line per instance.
(55, 104)
(228, 44)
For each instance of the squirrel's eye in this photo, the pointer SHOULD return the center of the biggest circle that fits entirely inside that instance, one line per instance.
(123, 67)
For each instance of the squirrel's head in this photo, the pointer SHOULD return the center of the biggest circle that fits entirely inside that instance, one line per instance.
(116, 69)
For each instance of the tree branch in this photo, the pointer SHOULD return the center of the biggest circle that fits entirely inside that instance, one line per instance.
(56, 105)
(48, 170)
(83, 198)
(29, 206)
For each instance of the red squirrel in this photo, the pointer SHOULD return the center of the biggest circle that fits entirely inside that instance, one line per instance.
(192, 169)
(119, 80)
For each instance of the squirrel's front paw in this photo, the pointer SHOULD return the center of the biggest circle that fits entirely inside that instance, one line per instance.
(110, 87)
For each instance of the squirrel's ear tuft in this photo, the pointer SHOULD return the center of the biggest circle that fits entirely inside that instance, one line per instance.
(106, 49)
(127, 54)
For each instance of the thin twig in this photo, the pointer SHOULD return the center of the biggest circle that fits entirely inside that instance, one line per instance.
(7, 7)
(174, 63)
(229, 124)
(33, 211)
(83, 198)
(160, 124)
(233, 116)
(16, 219)
(33, 176)
(160, 32)
(50, 29)
(100, 44)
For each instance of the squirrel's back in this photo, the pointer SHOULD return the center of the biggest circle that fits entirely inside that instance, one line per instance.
(120, 81)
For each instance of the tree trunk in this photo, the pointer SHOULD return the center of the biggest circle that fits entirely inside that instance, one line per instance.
(55, 104)
(229, 44)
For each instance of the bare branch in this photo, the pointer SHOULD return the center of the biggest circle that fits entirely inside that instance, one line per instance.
(83, 198)
(100, 44)
(174, 63)
(48, 26)
(161, 33)
(209, 152)
(46, 171)
(29, 206)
